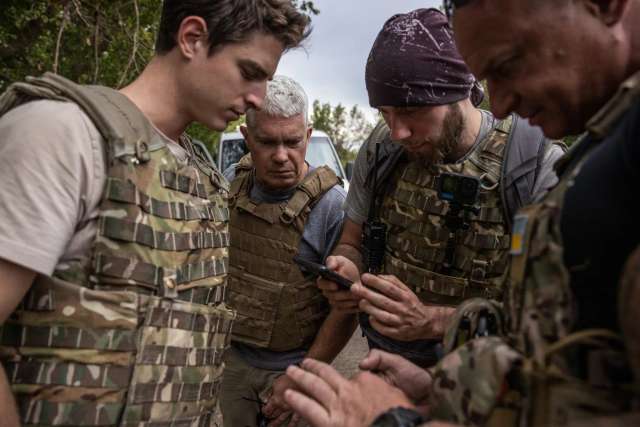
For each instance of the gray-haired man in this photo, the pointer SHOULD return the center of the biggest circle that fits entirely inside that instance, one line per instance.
(280, 207)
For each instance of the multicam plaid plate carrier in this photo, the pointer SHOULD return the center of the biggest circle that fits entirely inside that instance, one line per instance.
(134, 334)
(545, 372)
(278, 308)
(417, 238)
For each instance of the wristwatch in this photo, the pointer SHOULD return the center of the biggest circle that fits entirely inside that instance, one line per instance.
(399, 417)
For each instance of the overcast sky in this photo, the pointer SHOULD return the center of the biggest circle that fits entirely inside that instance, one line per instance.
(332, 67)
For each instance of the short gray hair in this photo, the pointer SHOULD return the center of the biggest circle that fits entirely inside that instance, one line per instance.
(285, 98)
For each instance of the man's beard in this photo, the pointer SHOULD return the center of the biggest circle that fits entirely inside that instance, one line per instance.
(444, 145)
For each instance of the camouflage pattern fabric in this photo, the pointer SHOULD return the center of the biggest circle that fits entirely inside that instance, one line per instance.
(468, 383)
(134, 333)
(278, 308)
(417, 238)
(559, 376)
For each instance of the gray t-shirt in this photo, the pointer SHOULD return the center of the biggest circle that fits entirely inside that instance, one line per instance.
(52, 170)
(321, 232)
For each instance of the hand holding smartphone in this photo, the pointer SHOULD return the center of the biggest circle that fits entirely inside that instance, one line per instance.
(322, 271)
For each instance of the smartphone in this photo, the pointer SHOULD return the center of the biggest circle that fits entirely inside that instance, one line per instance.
(322, 271)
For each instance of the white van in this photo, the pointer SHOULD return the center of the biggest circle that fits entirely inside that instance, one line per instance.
(320, 152)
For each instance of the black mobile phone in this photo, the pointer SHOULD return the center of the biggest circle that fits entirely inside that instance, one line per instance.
(322, 271)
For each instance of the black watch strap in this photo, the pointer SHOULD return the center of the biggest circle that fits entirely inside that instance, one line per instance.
(399, 417)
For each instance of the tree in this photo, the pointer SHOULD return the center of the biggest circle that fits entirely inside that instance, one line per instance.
(102, 42)
(106, 42)
(347, 129)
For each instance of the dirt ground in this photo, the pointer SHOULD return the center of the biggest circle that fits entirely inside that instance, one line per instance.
(346, 363)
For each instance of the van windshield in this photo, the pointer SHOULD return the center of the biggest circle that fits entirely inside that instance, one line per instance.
(321, 153)
(233, 151)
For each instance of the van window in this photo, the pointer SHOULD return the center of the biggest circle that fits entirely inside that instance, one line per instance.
(321, 153)
(232, 152)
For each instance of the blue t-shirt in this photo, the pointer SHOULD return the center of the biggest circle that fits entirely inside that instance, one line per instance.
(321, 233)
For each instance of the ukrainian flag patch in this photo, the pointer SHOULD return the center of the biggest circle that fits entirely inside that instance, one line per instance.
(517, 236)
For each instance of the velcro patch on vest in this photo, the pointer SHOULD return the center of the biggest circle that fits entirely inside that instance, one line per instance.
(182, 183)
(129, 231)
(127, 192)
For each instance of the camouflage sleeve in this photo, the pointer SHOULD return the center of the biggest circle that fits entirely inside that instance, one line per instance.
(468, 383)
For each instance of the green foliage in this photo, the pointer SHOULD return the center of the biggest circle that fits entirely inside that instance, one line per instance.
(347, 129)
(106, 42)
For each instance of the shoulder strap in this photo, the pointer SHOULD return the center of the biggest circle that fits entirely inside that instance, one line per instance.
(388, 155)
(245, 164)
(309, 191)
(523, 158)
(241, 181)
(123, 126)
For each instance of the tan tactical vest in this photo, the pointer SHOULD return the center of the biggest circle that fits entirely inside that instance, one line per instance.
(278, 308)
(134, 334)
(417, 238)
(542, 313)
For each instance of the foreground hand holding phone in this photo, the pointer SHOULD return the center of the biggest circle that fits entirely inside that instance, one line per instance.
(342, 300)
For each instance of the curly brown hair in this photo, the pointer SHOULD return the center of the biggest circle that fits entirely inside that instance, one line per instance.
(232, 21)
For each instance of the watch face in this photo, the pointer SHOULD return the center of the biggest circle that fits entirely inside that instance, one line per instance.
(387, 419)
(398, 417)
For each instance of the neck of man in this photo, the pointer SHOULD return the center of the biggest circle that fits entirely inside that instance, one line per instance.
(472, 122)
(155, 93)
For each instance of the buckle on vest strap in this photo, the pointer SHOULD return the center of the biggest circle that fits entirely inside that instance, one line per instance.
(142, 151)
(479, 269)
(287, 216)
(169, 288)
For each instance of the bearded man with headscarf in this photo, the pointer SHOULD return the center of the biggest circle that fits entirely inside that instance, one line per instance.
(436, 199)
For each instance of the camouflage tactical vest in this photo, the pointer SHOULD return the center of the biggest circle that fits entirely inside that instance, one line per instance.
(278, 308)
(566, 375)
(134, 334)
(417, 238)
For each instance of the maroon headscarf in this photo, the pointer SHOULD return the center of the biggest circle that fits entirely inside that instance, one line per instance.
(414, 61)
